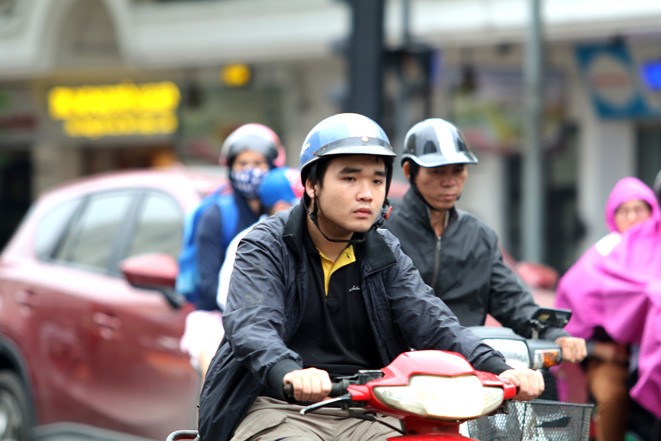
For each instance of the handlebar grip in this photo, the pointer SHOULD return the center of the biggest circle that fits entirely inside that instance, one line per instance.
(338, 388)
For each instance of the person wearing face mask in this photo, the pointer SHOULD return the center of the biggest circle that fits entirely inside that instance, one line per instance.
(607, 290)
(249, 152)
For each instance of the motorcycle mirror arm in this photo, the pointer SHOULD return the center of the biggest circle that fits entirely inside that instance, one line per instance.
(537, 328)
(545, 318)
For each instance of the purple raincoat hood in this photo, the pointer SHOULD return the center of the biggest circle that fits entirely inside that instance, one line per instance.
(629, 189)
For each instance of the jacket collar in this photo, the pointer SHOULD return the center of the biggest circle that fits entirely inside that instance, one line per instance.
(374, 251)
(413, 198)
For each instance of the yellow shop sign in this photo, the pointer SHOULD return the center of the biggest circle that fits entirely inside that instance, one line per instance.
(116, 109)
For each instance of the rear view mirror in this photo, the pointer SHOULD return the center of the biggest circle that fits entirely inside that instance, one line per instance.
(549, 318)
(156, 271)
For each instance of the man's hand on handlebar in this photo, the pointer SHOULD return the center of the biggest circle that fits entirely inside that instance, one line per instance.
(309, 385)
(529, 383)
(573, 349)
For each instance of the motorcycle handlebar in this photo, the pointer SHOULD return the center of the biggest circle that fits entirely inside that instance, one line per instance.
(338, 388)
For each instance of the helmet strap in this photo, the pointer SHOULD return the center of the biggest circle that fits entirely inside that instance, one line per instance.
(385, 214)
(315, 220)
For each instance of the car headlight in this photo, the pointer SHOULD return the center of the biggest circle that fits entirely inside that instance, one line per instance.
(446, 398)
(515, 351)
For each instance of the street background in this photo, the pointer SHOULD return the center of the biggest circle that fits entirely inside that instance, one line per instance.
(73, 71)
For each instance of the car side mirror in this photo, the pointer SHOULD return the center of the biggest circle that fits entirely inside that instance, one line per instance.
(153, 271)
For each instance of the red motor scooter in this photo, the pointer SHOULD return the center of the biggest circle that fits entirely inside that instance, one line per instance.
(439, 396)
(431, 392)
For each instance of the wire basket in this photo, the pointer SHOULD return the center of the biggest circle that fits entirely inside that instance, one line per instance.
(538, 420)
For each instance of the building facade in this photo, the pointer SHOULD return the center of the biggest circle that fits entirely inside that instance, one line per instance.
(95, 85)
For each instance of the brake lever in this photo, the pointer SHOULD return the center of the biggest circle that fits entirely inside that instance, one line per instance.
(346, 398)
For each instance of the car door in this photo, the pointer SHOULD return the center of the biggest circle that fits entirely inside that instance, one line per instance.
(113, 348)
(70, 282)
(144, 330)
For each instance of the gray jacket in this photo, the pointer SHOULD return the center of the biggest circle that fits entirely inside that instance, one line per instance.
(464, 266)
(267, 296)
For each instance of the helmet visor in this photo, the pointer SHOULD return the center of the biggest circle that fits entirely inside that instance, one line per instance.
(359, 145)
(439, 159)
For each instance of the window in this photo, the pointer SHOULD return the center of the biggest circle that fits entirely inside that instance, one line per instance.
(159, 227)
(90, 241)
(51, 227)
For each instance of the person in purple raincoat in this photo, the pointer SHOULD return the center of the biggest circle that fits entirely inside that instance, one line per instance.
(610, 290)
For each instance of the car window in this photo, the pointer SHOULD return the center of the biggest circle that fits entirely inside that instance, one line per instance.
(159, 226)
(51, 227)
(90, 240)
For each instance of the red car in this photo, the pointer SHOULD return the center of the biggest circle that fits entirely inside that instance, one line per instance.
(88, 347)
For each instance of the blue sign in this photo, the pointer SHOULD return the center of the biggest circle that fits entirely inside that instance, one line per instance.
(650, 73)
(611, 77)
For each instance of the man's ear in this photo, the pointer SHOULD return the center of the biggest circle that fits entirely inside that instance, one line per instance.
(309, 189)
(406, 168)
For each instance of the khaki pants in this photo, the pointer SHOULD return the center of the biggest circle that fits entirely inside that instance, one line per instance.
(607, 382)
(272, 420)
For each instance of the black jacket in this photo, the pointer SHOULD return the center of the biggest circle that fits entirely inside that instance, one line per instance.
(267, 296)
(464, 266)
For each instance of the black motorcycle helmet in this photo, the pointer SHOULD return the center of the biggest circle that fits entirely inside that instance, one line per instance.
(434, 142)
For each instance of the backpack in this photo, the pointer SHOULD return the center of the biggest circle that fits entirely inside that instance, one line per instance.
(188, 277)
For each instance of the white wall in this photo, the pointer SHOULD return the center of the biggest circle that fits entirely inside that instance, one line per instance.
(484, 192)
(607, 154)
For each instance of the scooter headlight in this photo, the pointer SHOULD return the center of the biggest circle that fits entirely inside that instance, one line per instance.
(446, 398)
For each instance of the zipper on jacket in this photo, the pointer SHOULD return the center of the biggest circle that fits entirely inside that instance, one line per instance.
(437, 261)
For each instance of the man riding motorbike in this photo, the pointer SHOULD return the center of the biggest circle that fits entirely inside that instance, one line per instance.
(319, 292)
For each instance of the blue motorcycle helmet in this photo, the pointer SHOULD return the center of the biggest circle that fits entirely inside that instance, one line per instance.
(343, 134)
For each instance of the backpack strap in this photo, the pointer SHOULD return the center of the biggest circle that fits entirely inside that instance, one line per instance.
(187, 277)
(229, 214)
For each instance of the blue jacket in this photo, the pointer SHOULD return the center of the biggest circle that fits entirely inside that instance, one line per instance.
(211, 247)
(267, 296)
